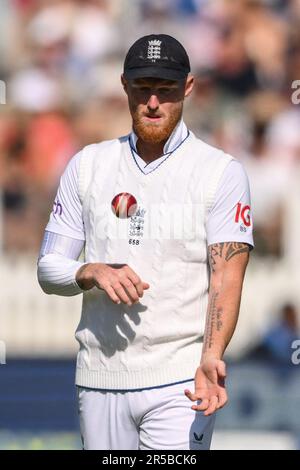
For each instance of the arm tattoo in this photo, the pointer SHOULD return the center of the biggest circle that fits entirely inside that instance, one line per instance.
(226, 251)
(215, 251)
(214, 321)
(235, 249)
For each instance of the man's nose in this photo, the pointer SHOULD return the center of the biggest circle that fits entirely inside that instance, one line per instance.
(153, 102)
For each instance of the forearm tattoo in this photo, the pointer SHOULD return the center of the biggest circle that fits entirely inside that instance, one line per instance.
(226, 251)
(214, 321)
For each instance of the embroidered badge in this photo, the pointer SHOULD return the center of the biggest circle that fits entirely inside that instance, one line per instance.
(136, 228)
(154, 50)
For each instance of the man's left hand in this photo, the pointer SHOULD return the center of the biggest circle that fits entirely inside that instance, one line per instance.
(209, 386)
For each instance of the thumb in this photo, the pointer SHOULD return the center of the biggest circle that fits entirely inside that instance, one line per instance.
(190, 395)
(221, 368)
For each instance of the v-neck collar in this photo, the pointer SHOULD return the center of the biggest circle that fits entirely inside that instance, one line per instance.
(178, 134)
(133, 165)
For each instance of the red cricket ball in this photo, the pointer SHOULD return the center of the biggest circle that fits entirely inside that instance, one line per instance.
(124, 205)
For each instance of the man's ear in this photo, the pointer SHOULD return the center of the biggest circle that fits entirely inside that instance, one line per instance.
(189, 84)
(124, 83)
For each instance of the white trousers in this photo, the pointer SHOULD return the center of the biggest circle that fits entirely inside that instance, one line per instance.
(157, 418)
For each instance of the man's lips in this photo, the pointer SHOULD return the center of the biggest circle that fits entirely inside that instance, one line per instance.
(152, 118)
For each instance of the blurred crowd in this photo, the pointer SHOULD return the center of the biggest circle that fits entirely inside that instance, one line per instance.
(61, 62)
(278, 341)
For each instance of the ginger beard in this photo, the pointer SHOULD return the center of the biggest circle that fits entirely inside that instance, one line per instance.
(154, 133)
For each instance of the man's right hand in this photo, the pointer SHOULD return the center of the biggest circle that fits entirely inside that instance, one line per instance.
(120, 282)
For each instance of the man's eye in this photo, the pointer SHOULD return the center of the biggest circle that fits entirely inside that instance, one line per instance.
(165, 91)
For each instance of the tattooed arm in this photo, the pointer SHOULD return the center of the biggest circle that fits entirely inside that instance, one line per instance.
(228, 262)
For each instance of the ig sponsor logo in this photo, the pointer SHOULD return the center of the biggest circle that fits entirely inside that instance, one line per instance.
(243, 215)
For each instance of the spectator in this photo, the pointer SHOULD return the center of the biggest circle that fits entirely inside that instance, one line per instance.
(277, 342)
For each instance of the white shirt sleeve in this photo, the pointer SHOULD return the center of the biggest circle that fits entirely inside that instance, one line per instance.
(58, 265)
(57, 275)
(64, 237)
(230, 220)
(66, 217)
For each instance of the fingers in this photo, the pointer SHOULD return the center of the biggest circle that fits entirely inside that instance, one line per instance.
(125, 294)
(221, 367)
(222, 395)
(130, 291)
(121, 284)
(207, 405)
(139, 285)
(115, 291)
(118, 294)
(213, 406)
(222, 399)
(193, 397)
(111, 294)
(202, 406)
(190, 395)
(135, 286)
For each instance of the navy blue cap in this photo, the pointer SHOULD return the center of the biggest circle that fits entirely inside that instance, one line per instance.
(157, 56)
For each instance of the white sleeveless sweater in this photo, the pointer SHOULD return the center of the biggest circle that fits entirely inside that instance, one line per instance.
(159, 340)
